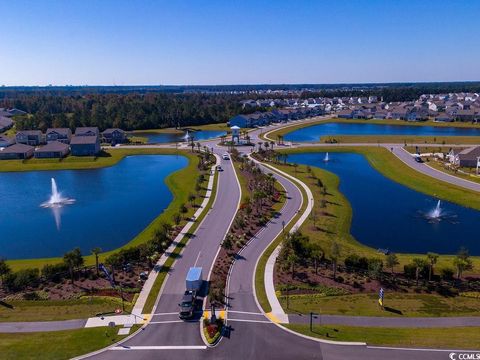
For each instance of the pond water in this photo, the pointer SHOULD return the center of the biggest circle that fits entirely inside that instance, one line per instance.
(314, 132)
(112, 205)
(155, 138)
(391, 216)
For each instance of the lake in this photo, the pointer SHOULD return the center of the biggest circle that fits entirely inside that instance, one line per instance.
(112, 205)
(156, 138)
(314, 132)
(391, 216)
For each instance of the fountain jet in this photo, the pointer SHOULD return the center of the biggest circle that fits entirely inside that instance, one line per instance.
(436, 212)
(326, 158)
(56, 199)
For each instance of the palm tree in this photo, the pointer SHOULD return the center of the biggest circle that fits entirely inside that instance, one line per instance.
(419, 264)
(391, 261)
(73, 259)
(292, 260)
(462, 262)
(316, 254)
(335, 254)
(432, 259)
(95, 252)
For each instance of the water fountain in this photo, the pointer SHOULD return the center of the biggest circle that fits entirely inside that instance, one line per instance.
(56, 202)
(56, 199)
(186, 137)
(326, 158)
(436, 212)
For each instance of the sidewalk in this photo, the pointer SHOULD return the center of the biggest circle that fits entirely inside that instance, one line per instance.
(380, 321)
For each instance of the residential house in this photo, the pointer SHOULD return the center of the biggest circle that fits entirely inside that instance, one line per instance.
(87, 131)
(16, 151)
(465, 115)
(443, 117)
(6, 141)
(53, 149)
(29, 137)
(5, 123)
(345, 114)
(469, 157)
(85, 145)
(114, 136)
(59, 134)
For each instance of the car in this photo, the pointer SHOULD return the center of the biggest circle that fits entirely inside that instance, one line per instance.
(187, 305)
(418, 159)
(226, 157)
(219, 168)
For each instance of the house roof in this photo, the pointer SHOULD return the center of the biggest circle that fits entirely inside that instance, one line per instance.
(61, 131)
(83, 130)
(79, 140)
(53, 146)
(17, 148)
(5, 122)
(109, 131)
(30, 132)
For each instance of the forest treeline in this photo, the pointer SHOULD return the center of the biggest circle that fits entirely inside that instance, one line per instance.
(132, 108)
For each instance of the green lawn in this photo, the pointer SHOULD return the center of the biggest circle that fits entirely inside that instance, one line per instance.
(58, 309)
(180, 183)
(445, 338)
(396, 304)
(57, 345)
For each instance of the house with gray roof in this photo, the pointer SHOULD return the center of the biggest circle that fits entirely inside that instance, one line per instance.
(6, 141)
(29, 137)
(16, 151)
(59, 134)
(85, 145)
(87, 131)
(114, 136)
(469, 157)
(5, 123)
(53, 149)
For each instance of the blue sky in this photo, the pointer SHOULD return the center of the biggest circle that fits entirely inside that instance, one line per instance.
(237, 42)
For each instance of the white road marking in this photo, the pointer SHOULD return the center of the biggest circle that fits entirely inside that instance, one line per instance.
(252, 321)
(198, 256)
(243, 312)
(179, 347)
(161, 314)
(165, 322)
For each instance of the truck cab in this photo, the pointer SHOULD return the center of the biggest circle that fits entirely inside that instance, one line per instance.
(187, 305)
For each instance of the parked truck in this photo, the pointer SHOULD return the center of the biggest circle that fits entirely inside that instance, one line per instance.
(193, 285)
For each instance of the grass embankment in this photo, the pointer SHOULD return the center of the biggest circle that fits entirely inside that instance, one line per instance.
(180, 183)
(50, 310)
(338, 226)
(260, 292)
(157, 285)
(401, 139)
(57, 345)
(396, 304)
(286, 130)
(446, 338)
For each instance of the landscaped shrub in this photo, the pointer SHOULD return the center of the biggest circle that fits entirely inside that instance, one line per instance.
(447, 274)
(55, 273)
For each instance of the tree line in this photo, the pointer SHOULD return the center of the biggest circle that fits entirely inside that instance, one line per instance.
(126, 111)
